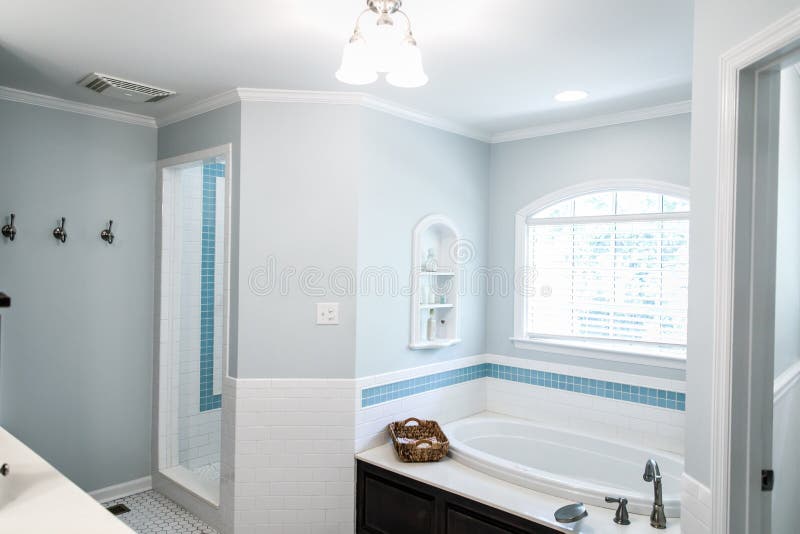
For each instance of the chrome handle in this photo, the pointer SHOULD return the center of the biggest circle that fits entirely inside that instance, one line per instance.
(59, 233)
(621, 516)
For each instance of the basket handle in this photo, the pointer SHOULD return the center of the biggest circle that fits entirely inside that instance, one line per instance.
(422, 442)
(410, 420)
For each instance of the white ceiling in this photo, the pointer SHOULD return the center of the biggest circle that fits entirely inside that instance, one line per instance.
(494, 65)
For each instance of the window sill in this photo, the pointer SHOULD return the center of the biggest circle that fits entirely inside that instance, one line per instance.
(601, 351)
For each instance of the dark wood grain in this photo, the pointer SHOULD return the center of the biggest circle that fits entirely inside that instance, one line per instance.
(388, 503)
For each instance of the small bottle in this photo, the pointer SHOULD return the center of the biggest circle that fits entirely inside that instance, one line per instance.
(427, 293)
(443, 328)
(430, 264)
(431, 326)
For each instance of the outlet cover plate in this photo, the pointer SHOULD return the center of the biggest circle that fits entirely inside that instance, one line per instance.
(327, 313)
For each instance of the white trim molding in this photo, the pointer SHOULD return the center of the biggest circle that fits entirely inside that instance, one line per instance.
(117, 491)
(248, 94)
(36, 99)
(615, 352)
(243, 94)
(771, 40)
(198, 108)
(599, 121)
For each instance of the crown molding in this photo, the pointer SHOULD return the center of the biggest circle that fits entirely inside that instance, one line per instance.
(198, 108)
(36, 99)
(360, 99)
(248, 94)
(402, 112)
(656, 112)
(346, 98)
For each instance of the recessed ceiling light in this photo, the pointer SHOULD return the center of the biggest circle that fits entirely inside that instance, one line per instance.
(571, 96)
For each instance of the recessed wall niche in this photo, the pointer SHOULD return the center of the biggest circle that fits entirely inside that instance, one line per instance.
(435, 281)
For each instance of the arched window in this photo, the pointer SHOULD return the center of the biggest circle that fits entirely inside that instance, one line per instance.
(606, 271)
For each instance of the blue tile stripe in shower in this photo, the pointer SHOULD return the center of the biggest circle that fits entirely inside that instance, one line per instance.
(661, 398)
(211, 171)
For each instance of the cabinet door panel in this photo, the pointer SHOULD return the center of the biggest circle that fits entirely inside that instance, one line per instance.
(390, 508)
(461, 521)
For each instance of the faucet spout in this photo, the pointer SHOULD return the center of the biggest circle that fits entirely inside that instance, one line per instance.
(653, 474)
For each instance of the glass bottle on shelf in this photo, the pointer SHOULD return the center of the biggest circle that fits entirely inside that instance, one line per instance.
(431, 333)
(430, 264)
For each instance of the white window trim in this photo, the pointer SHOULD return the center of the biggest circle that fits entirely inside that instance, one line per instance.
(612, 351)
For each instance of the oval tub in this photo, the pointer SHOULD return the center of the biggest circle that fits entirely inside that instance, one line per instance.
(564, 463)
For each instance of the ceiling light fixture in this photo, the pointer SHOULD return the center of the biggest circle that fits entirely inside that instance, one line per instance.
(571, 96)
(382, 48)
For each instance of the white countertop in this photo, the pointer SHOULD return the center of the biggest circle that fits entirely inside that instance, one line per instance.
(454, 477)
(35, 498)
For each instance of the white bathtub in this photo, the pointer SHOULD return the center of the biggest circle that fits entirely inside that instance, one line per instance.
(563, 463)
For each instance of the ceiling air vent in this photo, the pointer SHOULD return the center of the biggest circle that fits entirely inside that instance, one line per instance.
(124, 89)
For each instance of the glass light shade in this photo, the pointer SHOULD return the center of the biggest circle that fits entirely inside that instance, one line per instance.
(357, 67)
(408, 71)
(384, 43)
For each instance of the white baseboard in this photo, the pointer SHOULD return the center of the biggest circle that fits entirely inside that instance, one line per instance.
(124, 489)
(695, 506)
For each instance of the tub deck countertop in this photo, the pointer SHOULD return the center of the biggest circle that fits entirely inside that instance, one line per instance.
(454, 477)
(35, 497)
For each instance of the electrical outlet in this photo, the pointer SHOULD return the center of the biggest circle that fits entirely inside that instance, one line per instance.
(327, 313)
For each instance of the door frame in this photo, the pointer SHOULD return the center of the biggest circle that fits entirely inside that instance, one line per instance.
(164, 423)
(731, 369)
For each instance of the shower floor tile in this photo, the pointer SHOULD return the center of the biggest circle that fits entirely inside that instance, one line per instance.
(152, 513)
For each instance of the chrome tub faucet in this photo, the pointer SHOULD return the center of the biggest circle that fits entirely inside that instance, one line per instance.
(653, 474)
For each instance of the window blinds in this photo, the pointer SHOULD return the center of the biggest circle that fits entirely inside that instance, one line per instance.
(609, 278)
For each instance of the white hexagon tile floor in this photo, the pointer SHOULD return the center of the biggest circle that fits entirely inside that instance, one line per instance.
(152, 513)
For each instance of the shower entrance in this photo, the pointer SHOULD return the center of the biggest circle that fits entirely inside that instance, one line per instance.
(192, 310)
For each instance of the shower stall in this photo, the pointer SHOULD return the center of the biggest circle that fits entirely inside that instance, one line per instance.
(192, 309)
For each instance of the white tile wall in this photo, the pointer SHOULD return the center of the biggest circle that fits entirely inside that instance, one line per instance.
(695, 507)
(294, 440)
(639, 424)
(198, 432)
(443, 405)
(294, 464)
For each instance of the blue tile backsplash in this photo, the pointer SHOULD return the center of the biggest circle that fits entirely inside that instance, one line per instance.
(211, 171)
(661, 398)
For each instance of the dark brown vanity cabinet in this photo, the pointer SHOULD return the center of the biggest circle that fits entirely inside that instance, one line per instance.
(388, 503)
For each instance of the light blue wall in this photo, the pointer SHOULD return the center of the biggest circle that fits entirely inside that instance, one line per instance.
(410, 171)
(787, 266)
(299, 179)
(524, 171)
(719, 25)
(75, 372)
(215, 128)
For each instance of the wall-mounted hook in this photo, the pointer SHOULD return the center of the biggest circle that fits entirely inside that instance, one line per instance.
(59, 232)
(9, 230)
(106, 234)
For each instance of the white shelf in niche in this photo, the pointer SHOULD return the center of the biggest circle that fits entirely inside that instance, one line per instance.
(435, 233)
(436, 344)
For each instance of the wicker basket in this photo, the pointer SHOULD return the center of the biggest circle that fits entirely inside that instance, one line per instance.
(422, 442)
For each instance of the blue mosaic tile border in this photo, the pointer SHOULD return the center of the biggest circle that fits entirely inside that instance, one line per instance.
(421, 384)
(211, 171)
(671, 400)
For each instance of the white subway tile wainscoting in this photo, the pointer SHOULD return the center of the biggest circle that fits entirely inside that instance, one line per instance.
(295, 439)
(294, 456)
